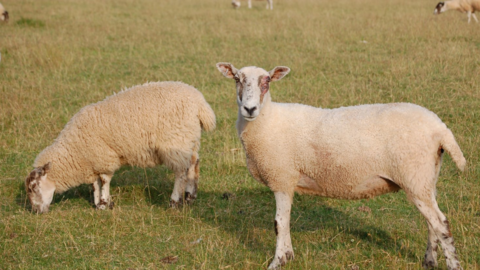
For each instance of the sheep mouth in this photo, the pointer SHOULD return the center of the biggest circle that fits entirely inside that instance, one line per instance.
(249, 118)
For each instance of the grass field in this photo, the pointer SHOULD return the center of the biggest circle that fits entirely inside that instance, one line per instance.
(60, 55)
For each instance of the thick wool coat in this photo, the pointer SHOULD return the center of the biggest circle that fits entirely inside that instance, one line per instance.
(146, 125)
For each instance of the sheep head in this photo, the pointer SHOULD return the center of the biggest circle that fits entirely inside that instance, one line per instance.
(236, 3)
(39, 189)
(252, 86)
(440, 8)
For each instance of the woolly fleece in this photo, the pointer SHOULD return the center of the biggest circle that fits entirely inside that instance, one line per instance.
(155, 123)
(350, 152)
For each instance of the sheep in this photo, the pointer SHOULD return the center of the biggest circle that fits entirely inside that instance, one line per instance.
(3, 14)
(464, 6)
(347, 153)
(236, 4)
(145, 125)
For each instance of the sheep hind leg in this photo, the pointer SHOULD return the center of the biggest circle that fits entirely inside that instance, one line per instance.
(192, 179)
(284, 249)
(105, 200)
(178, 188)
(430, 260)
(439, 231)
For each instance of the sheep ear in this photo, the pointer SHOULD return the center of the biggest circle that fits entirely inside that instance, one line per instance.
(278, 73)
(227, 69)
(46, 168)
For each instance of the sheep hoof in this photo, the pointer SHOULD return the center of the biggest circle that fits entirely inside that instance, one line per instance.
(428, 265)
(429, 261)
(278, 262)
(111, 205)
(189, 197)
(289, 255)
(174, 204)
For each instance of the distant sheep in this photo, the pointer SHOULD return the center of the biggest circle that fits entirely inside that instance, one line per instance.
(348, 153)
(464, 6)
(236, 4)
(3, 14)
(146, 125)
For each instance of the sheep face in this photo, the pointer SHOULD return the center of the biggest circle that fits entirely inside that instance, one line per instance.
(252, 85)
(4, 16)
(440, 8)
(39, 189)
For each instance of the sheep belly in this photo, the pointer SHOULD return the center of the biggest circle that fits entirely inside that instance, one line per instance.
(368, 188)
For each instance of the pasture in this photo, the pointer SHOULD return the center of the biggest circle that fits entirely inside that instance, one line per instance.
(58, 56)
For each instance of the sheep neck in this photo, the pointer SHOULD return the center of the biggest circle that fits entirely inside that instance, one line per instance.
(66, 171)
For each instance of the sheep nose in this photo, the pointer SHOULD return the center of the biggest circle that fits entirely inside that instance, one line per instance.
(250, 110)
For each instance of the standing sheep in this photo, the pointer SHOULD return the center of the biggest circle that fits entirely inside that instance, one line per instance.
(146, 125)
(3, 14)
(348, 153)
(236, 4)
(464, 6)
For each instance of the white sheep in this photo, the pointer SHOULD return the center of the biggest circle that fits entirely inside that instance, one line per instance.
(348, 153)
(464, 6)
(236, 4)
(146, 125)
(3, 14)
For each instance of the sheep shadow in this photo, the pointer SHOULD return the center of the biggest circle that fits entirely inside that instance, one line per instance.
(253, 210)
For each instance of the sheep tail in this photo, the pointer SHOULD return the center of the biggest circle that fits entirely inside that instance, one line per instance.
(206, 117)
(450, 145)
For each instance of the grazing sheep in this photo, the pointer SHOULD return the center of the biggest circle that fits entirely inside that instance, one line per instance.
(3, 14)
(349, 153)
(236, 4)
(464, 6)
(146, 125)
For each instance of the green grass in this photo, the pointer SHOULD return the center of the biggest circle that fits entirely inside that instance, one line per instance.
(58, 56)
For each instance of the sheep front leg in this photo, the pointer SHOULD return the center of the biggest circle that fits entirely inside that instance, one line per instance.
(284, 250)
(96, 192)
(105, 192)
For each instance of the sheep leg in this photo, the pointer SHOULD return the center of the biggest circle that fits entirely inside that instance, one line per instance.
(438, 223)
(284, 250)
(469, 14)
(105, 200)
(475, 17)
(430, 260)
(179, 188)
(249, 3)
(96, 192)
(192, 179)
